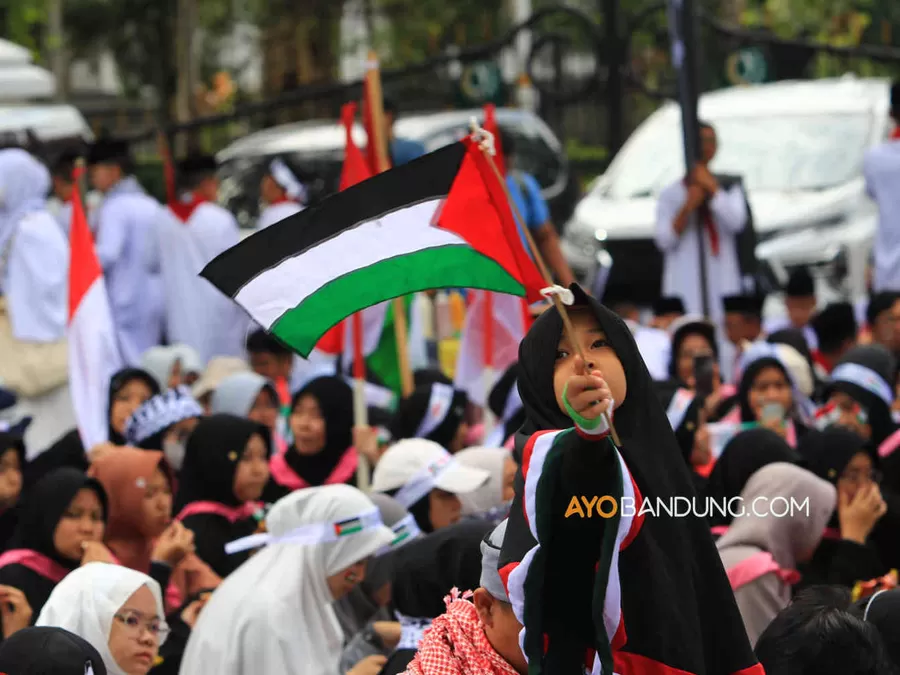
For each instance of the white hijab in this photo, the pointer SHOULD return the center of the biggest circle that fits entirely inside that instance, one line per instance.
(274, 614)
(24, 184)
(86, 601)
(490, 495)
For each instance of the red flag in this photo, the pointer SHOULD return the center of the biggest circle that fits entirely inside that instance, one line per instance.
(356, 169)
(478, 210)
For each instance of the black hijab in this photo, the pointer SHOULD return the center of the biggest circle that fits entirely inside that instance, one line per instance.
(699, 327)
(499, 399)
(744, 455)
(413, 410)
(882, 610)
(747, 379)
(44, 506)
(678, 607)
(335, 399)
(12, 439)
(118, 382)
(827, 453)
(211, 459)
(48, 651)
(881, 362)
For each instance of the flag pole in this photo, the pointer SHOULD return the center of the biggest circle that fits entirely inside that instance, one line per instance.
(488, 374)
(375, 104)
(360, 412)
(539, 260)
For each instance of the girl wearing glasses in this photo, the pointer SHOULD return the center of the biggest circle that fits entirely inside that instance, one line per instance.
(117, 610)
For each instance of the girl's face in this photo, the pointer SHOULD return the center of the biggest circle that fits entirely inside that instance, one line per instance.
(509, 478)
(125, 401)
(175, 378)
(692, 346)
(252, 470)
(174, 442)
(852, 416)
(444, 508)
(598, 353)
(136, 632)
(308, 426)
(343, 582)
(858, 473)
(81, 522)
(264, 410)
(770, 386)
(157, 503)
(10, 478)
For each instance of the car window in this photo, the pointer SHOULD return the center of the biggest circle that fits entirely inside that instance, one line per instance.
(777, 153)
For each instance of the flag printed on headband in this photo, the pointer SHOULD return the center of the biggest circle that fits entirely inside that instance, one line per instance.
(314, 533)
(439, 402)
(349, 526)
(405, 531)
(376, 241)
(868, 379)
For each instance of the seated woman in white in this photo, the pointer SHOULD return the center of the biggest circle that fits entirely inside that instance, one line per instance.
(117, 610)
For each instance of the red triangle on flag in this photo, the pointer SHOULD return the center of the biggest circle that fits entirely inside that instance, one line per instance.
(84, 267)
(478, 210)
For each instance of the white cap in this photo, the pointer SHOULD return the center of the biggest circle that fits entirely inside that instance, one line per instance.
(416, 466)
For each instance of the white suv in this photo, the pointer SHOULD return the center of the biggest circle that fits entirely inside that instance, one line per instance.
(799, 147)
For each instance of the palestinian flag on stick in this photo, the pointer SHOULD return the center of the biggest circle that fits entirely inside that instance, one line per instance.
(441, 221)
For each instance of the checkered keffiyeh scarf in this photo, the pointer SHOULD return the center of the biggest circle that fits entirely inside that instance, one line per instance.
(455, 644)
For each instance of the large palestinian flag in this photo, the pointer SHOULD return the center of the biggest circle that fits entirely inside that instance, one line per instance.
(442, 221)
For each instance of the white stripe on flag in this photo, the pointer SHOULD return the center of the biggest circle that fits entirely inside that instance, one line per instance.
(535, 466)
(277, 290)
(93, 359)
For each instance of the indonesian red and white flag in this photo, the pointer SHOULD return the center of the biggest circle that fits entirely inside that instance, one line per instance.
(93, 349)
(488, 344)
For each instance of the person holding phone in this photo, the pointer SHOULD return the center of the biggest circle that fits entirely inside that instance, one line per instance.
(694, 390)
(766, 397)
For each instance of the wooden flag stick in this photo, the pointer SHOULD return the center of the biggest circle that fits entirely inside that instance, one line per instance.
(542, 266)
(375, 103)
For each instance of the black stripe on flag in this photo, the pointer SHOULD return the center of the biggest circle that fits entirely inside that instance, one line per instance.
(423, 179)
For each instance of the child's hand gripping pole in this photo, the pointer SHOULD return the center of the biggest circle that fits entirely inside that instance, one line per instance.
(558, 296)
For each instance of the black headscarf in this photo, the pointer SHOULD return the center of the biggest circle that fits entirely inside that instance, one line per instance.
(414, 408)
(827, 453)
(500, 395)
(749, 375)
(882, 610)
(12, 439)
(211, 459)
(881, 362)
(118, 382)
(677, 604)
(48, 651)
(335, 399)
(693, 327)
(744, 455)
(44, 506)
(427, 569)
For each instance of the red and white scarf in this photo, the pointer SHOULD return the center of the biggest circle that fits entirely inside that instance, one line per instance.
(455, 644)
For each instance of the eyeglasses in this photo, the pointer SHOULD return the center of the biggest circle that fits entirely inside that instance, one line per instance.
(136, 623)
(860, 476)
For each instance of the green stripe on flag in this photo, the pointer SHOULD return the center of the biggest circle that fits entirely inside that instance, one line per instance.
(438, 267)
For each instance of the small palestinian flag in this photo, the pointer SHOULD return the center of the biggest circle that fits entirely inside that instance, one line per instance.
(442, 221)
(349, 526)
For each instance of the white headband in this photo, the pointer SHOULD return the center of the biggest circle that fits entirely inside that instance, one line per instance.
(314, 533)
(439, 403)
(424, 481)
(404, 530)
(863, 377)
(286, 179)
